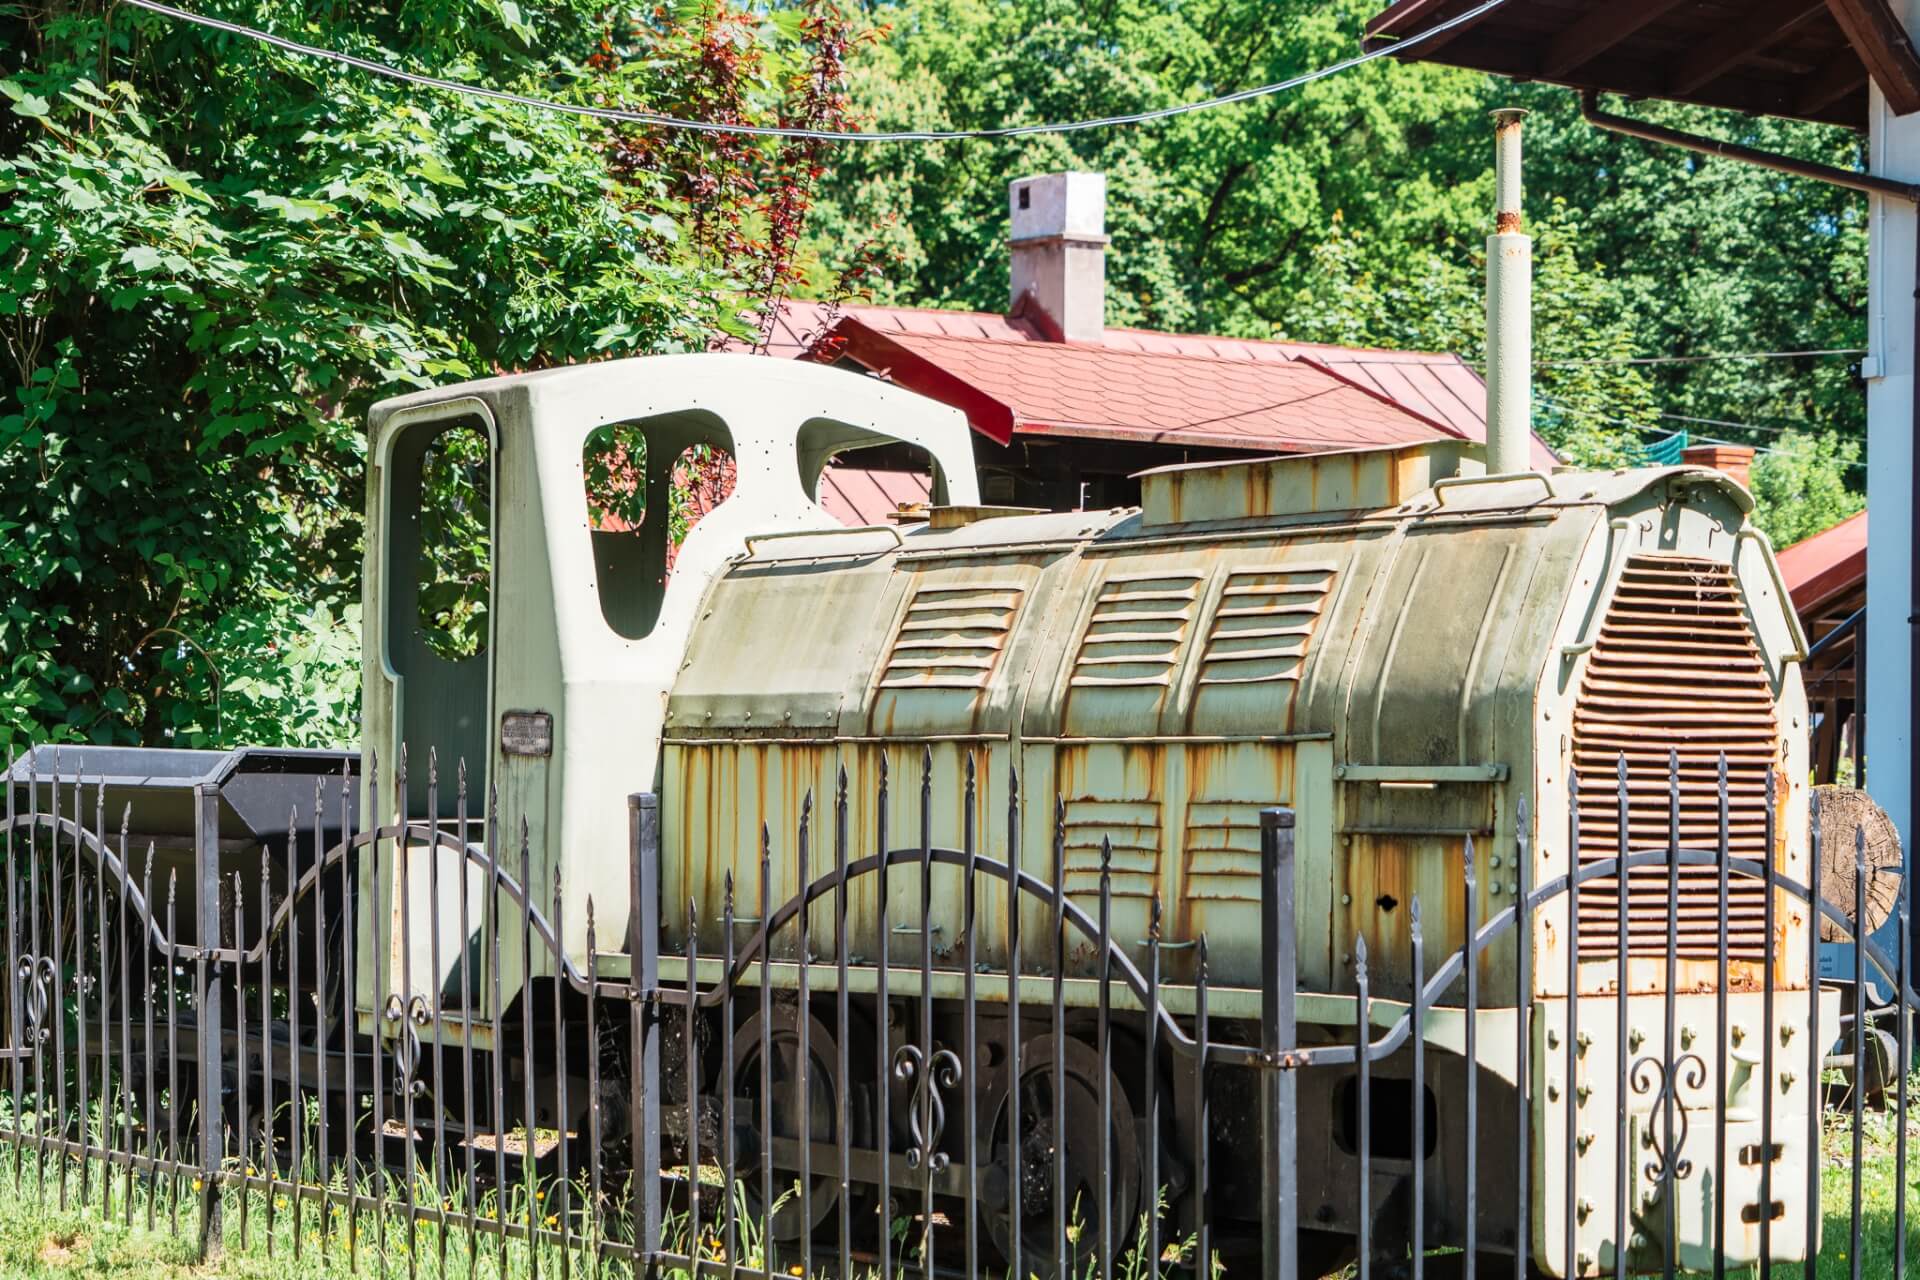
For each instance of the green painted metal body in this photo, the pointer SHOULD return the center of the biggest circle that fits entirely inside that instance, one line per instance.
(1397, 662)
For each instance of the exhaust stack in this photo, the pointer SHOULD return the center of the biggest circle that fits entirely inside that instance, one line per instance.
(1509, 308)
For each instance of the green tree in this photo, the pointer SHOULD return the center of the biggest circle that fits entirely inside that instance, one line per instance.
(1356, 209)
(1804, 483)
(213, 258)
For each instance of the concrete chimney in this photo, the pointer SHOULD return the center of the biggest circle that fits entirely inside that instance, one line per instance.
(1057, 233)
(1509, 308)
(1734, 459)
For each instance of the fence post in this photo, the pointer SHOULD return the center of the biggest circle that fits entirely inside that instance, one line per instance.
(643, 981)
(1279, 1093)
(209, 998)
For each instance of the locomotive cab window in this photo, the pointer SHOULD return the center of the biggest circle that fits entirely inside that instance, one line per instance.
(861, 476)
(648, 483)
(440, 588)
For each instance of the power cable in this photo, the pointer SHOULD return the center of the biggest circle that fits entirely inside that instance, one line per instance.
(1700, 359)
(661, 121)
(1653, 430)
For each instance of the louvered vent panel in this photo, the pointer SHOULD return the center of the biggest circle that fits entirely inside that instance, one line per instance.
(951, 637)
(1261, 628)
(1675, 667)
(1134, 828)
(1223, 850)
(1135, 633)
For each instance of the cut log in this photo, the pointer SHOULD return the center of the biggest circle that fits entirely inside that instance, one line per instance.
(1843, 812)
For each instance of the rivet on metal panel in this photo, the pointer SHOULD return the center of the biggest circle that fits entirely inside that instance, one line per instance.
(1496, 888)
(1494, 862)
(1513, 886)
(1346, 899)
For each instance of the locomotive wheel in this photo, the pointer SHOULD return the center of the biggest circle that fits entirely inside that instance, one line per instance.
(1024, 1165)
(824, 1088)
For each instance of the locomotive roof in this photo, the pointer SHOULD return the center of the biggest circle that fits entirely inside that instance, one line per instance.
(1467, 498)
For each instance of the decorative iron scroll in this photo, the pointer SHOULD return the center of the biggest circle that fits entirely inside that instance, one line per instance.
(37, 974)
(409, 1018)
(911, 1066)
(1658, 1077)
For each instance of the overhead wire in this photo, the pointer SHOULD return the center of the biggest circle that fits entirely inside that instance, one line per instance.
(1700, 359)
(1651, 429)
(663, 121)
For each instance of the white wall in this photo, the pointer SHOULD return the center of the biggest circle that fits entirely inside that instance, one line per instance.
(1890, 391)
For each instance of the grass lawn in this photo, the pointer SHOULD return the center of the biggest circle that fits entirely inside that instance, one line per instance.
(38, 1239)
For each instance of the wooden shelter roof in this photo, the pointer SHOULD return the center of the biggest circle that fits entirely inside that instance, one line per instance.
(1802, 59)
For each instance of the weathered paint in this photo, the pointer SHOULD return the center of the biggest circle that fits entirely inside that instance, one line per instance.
(1168, 678)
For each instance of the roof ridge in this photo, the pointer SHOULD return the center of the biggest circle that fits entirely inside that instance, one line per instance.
(1101, 348)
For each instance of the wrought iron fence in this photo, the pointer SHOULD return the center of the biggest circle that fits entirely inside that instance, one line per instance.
(377, 1042)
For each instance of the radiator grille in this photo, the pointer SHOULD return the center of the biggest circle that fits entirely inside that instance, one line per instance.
(1675, 667)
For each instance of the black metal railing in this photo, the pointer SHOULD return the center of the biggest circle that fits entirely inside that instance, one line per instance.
(380, 1039)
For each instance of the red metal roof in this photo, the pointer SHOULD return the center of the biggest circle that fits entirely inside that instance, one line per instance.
(1434, 385)
(1818, 568)
(1087, 391)
(861, 496)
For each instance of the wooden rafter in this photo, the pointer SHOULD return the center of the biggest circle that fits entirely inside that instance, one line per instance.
(1756, 31)
(1833, 80)
(1603, 26)
(1880, 38)
(1420, 15)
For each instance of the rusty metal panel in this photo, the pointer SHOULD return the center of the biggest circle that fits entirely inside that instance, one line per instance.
(1224, 786)
(1127, 662)
(955, 649)
(1118, 792)
(1676, 668)
(1347, 480)
(781, 644)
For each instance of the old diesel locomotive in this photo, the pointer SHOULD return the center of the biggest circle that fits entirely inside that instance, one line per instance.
(1398, 648)
(1408, 653)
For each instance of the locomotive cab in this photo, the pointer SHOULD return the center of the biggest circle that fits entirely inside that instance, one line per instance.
(524, 613)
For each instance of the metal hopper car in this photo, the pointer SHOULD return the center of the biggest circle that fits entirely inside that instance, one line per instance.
(1406, 652)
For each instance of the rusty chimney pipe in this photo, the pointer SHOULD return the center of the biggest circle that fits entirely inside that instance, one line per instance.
(1509, 308)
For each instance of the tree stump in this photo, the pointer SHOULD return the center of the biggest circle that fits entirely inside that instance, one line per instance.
(1843, 812)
